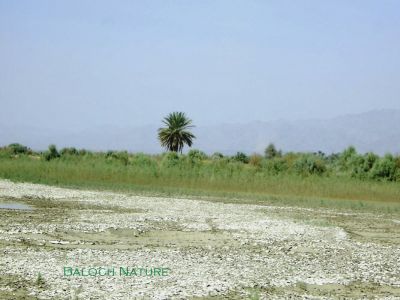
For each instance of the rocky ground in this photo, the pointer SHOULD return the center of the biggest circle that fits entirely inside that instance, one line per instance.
(210, 250)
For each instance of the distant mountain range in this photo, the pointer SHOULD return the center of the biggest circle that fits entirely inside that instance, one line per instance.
(377, 131)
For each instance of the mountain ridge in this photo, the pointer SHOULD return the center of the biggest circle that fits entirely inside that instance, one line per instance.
(376, 131)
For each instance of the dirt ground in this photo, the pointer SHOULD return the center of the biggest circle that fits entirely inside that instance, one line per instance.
(210, 250)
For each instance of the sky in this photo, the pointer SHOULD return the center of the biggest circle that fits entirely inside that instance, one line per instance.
(81, 64)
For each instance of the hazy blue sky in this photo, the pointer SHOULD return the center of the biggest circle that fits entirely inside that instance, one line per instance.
(88, 63)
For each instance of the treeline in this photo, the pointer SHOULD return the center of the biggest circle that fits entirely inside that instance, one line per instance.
(368, 166)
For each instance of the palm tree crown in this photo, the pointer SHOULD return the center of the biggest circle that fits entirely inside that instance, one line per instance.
(176, 133)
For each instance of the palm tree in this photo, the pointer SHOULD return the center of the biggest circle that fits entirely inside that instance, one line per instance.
(176, 133)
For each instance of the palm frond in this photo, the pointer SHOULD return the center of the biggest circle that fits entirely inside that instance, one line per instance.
(176, 134)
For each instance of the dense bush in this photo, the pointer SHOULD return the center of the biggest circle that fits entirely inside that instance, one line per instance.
(385, 168)
(217, 155)
(68, 151)
(18, 149)
(196, 164)
(276, 166)
(143, 160)
(170, 159)
(347, 159)
(109, 154)
(51, 153)
(255, 160)
(290, 159)
(361, 165)
(271, 152)
(195, 156)
(241, 157)
(309, 164)
(121, 156)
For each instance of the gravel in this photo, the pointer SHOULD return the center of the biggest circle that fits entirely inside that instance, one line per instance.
(210, 248)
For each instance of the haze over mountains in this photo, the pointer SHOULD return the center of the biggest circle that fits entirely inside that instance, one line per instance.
(377, 131)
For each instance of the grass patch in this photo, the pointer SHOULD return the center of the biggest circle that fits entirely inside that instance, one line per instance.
(233, 183)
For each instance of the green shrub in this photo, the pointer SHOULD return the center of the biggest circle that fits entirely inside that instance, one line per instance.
(197, 165)
(362, 165)
(51, 153)
(332, 158)
(385, 169)
(83, 152)
(309, 164)
(347, 158)
(355, 165)
(320, 153)
(16, 148)
(397, 160)
(232, 169)
(40, 280)
(217, 155)
(143, 160)
(218, 165)
(271, 152)
(68, 151)
(195, 155)
(110, 154)
(121, 156)
(170, 159)
(241, 157)
(255, 160)
(289, 159)
(275, 166)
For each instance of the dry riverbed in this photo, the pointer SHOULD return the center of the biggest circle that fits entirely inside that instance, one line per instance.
(209, 250)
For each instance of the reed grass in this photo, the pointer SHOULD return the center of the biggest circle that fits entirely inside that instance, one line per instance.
(228, 182)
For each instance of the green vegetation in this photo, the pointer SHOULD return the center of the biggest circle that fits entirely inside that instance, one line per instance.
(176, 133)
(40, 280)
(305, 179)
(271, 152)
(18, 149)
(52, 153)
